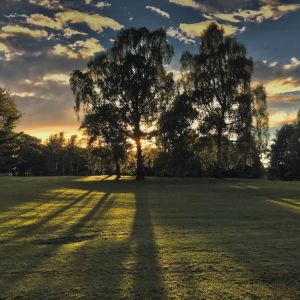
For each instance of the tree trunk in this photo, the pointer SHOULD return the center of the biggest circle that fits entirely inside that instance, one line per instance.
(219, 155)
(118, 171)
(139, 160)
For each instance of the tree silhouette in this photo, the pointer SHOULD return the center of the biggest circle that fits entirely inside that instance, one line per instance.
(106, 124)
(285, 152)
(218, 78)
(131, 78)
(9, 115)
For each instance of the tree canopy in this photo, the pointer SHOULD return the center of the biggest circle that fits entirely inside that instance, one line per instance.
(130, 78)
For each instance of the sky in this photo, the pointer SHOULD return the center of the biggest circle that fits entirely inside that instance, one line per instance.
(43, 41)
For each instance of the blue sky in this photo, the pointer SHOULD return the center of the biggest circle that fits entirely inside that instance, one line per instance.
(42, 41)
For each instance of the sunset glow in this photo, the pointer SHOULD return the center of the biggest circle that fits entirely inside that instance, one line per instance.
(46, 40)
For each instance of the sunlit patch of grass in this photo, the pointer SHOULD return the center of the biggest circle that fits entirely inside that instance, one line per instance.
(105, 177)
(287, 203)
(70, 237)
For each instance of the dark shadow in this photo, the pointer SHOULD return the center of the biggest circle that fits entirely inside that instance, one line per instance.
(148, 278)
(30, 229)
(48, 246)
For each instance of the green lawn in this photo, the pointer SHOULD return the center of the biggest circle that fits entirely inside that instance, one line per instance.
(97, 238)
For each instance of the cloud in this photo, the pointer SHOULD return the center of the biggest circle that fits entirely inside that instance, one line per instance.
(23, 94)
(78, 50)
(59, 78)
(196, 29)
(6, 51)
(288, 98)
(282, 85)
(188, 3)
(96, 22)
(44, 21)
(15, 30)
(293, 64)
(177, 34)
(68, 32)
(159, 11)
(50, 4)
(271, 10)
(102, 4)
(279, 118)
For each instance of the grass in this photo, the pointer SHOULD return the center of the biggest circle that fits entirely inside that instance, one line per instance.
(97, 238)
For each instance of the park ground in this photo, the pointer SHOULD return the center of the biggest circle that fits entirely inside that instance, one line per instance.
(98, 238)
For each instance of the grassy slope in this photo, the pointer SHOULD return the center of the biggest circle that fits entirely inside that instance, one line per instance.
(79, 238)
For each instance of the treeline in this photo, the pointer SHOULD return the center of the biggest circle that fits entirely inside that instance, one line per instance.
(139, 120)
(211, 122)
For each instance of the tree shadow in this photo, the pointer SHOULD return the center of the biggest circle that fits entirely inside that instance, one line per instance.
(238, 238)
(40, 251)
(148, 283)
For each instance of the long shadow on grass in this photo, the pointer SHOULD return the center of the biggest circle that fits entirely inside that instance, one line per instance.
(45, 249)
(125, 265)
(30, 229)
(256, 242)
(148, 282)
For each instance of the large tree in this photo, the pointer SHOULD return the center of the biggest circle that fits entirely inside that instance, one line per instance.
(218, 78)
(9, 116)
(131, 78)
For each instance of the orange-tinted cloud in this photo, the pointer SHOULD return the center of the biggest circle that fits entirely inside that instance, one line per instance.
(196, 29)
(15, 30)
(80, 49)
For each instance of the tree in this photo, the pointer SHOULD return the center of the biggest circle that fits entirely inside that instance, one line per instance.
(218, 78)
(285, 153)
(177, 138)
(9, 115)
(55, 153)
(30, 156)
(131, 78)
(105, 124)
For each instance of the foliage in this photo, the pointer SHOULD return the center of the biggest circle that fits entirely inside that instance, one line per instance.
(219, 81)
(9, 115)
(130, 79)
(285, 153)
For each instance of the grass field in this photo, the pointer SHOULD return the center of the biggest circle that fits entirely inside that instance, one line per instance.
(97, 238)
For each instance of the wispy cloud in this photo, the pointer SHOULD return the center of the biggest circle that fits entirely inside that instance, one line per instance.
(158, 11)
(177, 34)
(271, 10)
(196, 29)
(279, 118)
(59, 78)
(15, 30)
(95, 22)
(79, 49)
(188, 3)
(293, 64)
(50, 4)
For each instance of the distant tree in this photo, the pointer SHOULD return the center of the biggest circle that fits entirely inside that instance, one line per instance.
(30, 156)
(9, 115)
(55, 149)
(105, 123)
(131, 78)
(75, 157)
(285, 153)
(218, 78)
(252, 129)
